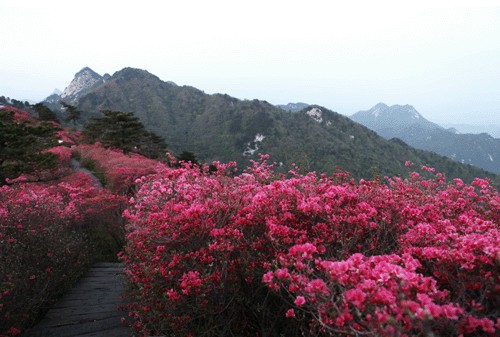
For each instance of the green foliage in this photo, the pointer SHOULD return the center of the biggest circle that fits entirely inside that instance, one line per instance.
(152, 145)
(123, 130)
(73, 113)
(22, 145)
(44, 113)
(220, 127)
(14, 102)
(187, 156)
(93, 167)
(106, 244)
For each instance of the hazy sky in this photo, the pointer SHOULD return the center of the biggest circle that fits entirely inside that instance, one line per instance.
(443, 57)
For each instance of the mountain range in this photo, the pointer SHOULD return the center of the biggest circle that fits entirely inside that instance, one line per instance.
(491, 129)
(406, 123)
(293, 107)
(221, 127)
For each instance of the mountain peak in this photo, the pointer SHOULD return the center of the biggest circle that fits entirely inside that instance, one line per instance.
(129, 73)
(380, 106)
(378, 109)
(83, 81)
(293, 107)
(383, 111)
(407, 110)
(406, 123)
(382, 117)
(87, 70)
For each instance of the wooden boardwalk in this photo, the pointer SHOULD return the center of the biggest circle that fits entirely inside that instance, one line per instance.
(90, 309)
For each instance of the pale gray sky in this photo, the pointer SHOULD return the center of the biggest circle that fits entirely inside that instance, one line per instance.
(443, 57)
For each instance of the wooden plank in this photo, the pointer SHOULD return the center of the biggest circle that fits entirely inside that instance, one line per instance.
(91, 298)
(100, 274)
(116, 332)
(102, 308)
(108, 265)
(81, 318)
(95, 292)
(92, 308)
(94, 284)
(69, 330)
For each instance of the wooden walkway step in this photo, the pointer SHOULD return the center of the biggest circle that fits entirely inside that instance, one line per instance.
(90, 309)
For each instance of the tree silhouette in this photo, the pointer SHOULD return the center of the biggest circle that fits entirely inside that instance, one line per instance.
(123, 130)
(44, 113)
(73, 113)
(22, 145)
(187, 156)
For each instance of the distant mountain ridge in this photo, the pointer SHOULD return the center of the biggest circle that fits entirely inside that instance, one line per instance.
(384, 118)
(293, 107)
(221, 127)
(491, 129)
(404, 122)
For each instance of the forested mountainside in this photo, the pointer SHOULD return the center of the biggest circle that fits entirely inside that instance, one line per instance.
(406, 123)
(221, 127)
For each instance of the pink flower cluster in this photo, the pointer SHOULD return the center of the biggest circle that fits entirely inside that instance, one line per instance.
(380, 294)
(68, 137)
(46, 242)
(21, 115)
(267, 254)
(64, 153)
(121, 170)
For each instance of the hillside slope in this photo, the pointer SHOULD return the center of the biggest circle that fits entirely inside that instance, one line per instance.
(220, 127)
(404, 122)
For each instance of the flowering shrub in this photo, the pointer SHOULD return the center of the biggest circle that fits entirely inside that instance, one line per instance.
(192, 266)
(60, 169)
(20, 115)
(22, 145)
(68, 137)
(214, 254)
(64, 153)
(458, 244)
(381, 294)
(119, 170)
(47, 239)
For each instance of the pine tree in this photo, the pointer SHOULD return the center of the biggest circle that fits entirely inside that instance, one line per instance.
(44, 113)
(153, 146)
(22, 145)
(73, 113)
(187, 156)
(124, 131)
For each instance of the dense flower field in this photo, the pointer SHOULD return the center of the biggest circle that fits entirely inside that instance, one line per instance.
(54, 223)
(263, 254)
(118, 171)
(49, 235)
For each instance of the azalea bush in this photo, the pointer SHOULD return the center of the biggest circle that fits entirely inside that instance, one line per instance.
(381, 295)
(49, 235)
(60, 169)
(31, 150)
(211, 253)
(20, 115)
(116, 170)
(69, 137)
(23, 142)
